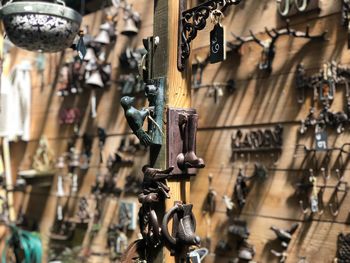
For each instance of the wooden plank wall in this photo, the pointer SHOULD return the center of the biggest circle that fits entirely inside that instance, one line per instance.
(260, 100)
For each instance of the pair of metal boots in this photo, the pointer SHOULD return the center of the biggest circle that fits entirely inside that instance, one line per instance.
(188, 158)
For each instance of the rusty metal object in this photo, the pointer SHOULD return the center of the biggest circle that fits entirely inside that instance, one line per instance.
(154, 190)
(182, 124)
(184, 227)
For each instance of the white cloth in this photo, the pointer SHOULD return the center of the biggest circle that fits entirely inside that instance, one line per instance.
(16, 103)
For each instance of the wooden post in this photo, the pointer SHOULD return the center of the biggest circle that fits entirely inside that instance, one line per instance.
(177, 91)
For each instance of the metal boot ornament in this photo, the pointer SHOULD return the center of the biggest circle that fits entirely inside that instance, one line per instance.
(188, 158)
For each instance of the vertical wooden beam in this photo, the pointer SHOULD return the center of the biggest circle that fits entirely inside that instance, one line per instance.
(177, 91)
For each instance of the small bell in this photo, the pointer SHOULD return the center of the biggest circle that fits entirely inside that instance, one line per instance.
(110, 28)
(130, 28)
(95, 79)
(103, 38)
(90, 55)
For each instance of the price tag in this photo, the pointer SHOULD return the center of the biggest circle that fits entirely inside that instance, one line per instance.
(321, 141)
(217, 44)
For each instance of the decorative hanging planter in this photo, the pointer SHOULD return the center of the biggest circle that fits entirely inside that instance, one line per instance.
(40, 26)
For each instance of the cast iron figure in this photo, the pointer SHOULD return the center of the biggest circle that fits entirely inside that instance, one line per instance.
(241, 188)
(155, 189)
(135, 119)
(285, 236)
(239, 229)
(155, 181)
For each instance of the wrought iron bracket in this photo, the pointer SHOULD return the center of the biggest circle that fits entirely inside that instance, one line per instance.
(193, 20)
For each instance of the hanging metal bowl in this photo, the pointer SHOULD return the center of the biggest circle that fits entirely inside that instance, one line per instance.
(40, 26)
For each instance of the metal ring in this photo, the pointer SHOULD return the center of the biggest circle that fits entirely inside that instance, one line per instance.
(165, 222)
(170, 214)
(287, 5)
(303, 6)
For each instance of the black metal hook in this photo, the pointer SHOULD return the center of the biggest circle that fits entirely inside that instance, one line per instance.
(335, 202)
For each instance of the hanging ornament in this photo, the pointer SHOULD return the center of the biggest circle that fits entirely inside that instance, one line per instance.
(40, 26)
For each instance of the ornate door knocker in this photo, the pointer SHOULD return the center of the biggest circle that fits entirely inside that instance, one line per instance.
(184, 227)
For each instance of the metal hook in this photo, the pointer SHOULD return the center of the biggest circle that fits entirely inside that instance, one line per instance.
(261, 43)
(320, 200)
(336, 203)
(337, 172)
(325, 175)
(333, 212)
(303, 210)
